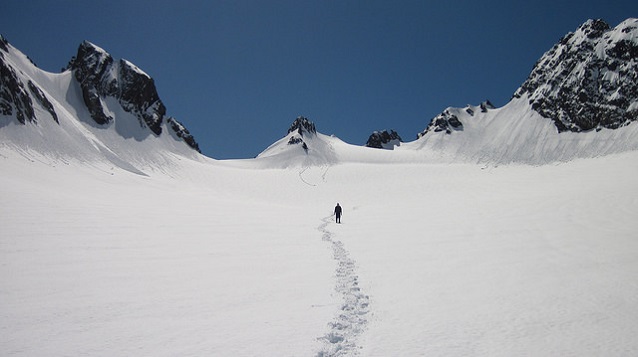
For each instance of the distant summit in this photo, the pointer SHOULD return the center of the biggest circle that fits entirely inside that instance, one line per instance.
(298, 127)
(101, 77)
(589, 79)
(98, 110)
(384, 140)
(578, 101)
(109, 91)
(303, 145)
(301, 125)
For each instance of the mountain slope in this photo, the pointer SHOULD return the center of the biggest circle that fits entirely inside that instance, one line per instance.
(99, 111)
(515, 133)
(586, 81)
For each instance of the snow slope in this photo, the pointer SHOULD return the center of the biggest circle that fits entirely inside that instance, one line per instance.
(229, 258)
(515, 133)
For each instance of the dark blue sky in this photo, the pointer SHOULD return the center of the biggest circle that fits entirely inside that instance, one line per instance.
(237, 73)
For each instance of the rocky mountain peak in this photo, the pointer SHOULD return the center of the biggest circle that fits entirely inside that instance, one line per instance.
(298, 127)
(589, 79)
(301, 125)
(593, 28)
(384, 140)
(100, 76)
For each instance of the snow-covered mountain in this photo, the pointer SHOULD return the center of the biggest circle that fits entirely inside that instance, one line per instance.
(98, 110)
(580, 100)
(302, 145)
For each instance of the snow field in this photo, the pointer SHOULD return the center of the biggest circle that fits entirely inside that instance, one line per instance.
(102, 265)
(508, 261)
(218, 258)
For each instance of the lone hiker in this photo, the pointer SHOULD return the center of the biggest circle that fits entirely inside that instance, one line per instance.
(338, 213)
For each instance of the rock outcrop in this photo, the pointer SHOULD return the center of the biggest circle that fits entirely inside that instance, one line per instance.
(384, 140)
(589, 79)
(100, 76)
(300, 127)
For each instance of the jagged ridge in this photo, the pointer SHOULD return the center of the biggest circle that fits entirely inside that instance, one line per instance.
(99, 76)
(589, 79)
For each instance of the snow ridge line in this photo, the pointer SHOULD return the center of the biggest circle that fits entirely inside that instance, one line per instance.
(351, 318)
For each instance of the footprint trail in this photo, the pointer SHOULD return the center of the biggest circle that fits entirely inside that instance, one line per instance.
(351, 318)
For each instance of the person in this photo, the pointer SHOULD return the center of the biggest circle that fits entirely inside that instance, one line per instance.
(338, 213)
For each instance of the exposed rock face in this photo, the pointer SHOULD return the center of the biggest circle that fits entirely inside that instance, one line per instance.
(14, 97)
(300, 126)
(445, 121)
(100, 76)
(448, 121)
(589, 80)
(485, 106)
(180, 130)
(384, 140)
(43, 100)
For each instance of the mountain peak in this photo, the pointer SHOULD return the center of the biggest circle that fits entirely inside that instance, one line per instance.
(593, 28)
(588, 80)
(100, 76)
(384, 140)
(111, 101)
(301, 125)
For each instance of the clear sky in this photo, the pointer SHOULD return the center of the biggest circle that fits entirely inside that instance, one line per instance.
(237, 73)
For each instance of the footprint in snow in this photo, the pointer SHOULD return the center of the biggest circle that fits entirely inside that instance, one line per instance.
(351, 319)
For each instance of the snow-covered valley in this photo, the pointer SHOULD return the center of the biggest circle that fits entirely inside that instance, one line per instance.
(221, 258)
